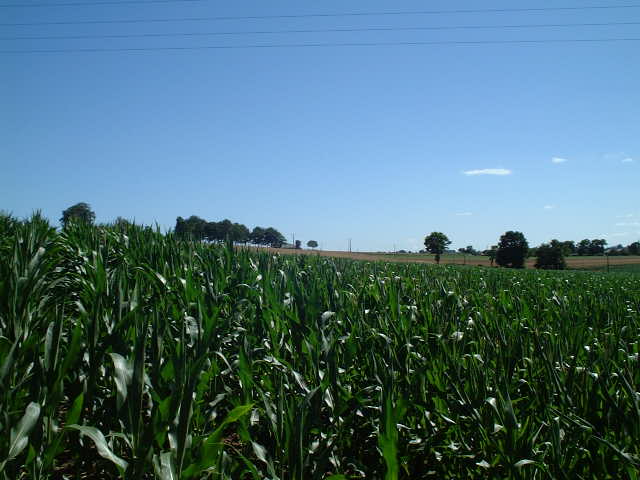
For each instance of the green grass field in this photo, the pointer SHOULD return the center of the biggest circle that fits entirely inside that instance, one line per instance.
(128, 354)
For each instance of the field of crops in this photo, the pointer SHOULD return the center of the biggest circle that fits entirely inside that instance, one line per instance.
(126, 353)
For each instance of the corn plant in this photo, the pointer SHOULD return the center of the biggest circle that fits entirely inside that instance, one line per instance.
(128, 353)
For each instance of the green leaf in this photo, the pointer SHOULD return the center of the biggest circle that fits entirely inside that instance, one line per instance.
(164, 467)
(122, 379)
(237, 413)
(76, 409)
(8, 362)
(260, 451)
(211, 446)
(101, 444)
(20, 436)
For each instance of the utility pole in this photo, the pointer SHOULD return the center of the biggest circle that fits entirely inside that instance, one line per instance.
(349, 245)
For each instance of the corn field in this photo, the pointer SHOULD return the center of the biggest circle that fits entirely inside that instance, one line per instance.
(126, 353)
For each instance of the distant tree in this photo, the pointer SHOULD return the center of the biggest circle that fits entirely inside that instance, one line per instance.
(597, 247)
(584, 247)
(512, 250)
(195, 227)
(634, 248)
(212, 232)
(8, 225)
(312, 244)
(273, 238)
(80, 212)
(240, 233)
(550, 256)
(225, 229)
(181, 228)
(569, 247)
(435, 243)
(491, 253)
(257, 236)
(122, 222)
(298, 244)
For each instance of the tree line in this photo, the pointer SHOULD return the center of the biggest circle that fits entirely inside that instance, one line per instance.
(513, 249)
(196, 228)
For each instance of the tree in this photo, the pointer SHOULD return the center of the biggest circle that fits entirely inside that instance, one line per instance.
(435, 243)
(584, 247)
(550, 256)
(298, 244)
(468, 250)
(512, 250)
(181, 228)
(257, 236)
(569, 247)
(212, 232)
(225, 229)
(597, 247)
(491, 253)
(80, 212)
(240, 233)
(122, 222)
(312, 244)
(195, 227)
(634, 248)
(273, 238)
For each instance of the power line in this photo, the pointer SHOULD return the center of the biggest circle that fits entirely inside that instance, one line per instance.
(322, 15)
(321, 45)
(91, 4)
(322, 30)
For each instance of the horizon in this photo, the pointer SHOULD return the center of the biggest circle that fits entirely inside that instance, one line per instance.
(381, 144)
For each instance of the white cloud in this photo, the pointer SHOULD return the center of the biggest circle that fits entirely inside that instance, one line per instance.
(627, 160)
(549, 207)
(464, 214)
(559, 160)
(619, 234)
(488, 171)
(628, 224)
(626, 215)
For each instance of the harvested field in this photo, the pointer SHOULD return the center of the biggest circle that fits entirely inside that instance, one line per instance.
(573, 262)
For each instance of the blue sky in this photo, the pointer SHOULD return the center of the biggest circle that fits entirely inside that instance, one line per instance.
(381, 144)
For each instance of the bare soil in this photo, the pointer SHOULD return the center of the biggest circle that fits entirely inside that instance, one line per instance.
(573, 262)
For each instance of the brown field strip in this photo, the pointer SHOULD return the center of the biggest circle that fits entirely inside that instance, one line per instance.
(573, 262)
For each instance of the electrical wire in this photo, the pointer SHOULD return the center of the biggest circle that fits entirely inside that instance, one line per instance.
(321, 45)
(322, 30)
(322, 15)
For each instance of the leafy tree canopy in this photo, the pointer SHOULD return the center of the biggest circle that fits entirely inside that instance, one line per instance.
(312, 244)
(80, 212)
(550, 256)
(512, 250)
(436, 243)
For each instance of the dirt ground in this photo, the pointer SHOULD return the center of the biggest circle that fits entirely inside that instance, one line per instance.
(573, 262)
